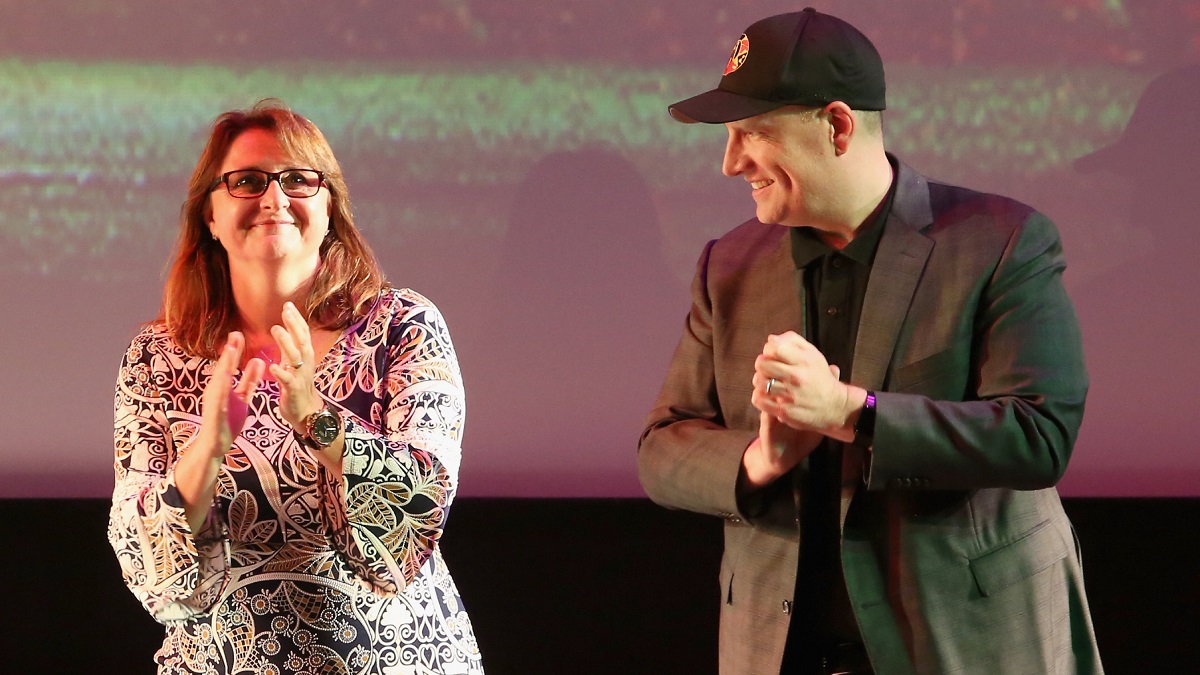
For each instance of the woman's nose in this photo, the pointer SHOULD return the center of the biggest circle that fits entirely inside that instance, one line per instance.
(274, 198)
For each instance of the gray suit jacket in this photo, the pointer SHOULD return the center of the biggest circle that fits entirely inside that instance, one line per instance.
(969, 339)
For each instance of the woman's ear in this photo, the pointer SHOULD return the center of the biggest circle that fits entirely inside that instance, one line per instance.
(210, 221)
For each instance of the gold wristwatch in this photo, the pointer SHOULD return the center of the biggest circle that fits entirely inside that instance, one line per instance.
(321, 429)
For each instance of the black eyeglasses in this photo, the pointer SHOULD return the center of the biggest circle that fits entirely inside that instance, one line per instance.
(251, 183)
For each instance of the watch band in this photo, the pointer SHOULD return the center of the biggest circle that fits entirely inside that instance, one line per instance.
(864, 427)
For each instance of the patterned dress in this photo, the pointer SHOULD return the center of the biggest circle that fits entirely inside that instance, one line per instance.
(297, 570)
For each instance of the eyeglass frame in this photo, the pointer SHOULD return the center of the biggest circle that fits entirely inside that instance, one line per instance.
(272, 177)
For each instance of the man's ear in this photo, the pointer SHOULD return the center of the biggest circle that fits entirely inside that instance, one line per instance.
(842, 124)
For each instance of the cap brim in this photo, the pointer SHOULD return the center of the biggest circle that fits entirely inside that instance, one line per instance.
(719, 106)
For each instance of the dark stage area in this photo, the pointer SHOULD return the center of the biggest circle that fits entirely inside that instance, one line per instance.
(575, 586)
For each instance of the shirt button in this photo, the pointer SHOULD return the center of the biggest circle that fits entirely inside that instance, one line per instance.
(832, 311)
(787, 606)
(837, 262)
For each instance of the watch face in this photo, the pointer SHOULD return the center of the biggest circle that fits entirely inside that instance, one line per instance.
(325, 428)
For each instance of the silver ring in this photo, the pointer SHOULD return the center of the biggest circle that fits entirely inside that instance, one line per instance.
(770, 383)
(296, 365)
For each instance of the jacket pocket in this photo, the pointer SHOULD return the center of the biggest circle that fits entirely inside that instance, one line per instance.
(1000, 568)
(734, 545)
(727, 586)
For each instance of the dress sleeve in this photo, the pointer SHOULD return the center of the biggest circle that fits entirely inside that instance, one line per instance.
(387, 509)
(173, 573)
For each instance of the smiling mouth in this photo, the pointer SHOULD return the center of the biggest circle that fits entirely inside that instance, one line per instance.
(760, 184)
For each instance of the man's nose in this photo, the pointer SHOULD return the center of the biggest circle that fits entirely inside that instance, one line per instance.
(732, 163)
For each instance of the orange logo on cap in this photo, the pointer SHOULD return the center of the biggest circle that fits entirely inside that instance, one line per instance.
(740, 51)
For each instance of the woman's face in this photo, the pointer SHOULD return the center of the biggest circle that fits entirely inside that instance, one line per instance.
(274, 229)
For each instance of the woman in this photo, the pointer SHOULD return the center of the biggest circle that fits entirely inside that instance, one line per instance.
(288, 522)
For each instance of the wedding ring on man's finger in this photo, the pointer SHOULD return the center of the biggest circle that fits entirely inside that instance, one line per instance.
(770, 383)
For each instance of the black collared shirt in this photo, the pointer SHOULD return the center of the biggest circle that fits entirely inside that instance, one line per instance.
(835, 284)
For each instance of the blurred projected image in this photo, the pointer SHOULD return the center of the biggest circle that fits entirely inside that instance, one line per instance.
(515, 162)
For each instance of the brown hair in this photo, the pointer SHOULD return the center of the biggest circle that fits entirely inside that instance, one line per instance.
(198, 306)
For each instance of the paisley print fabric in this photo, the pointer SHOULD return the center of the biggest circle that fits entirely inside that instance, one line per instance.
(297, 570)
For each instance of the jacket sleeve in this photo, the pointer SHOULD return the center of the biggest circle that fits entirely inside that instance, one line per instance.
(688, 458)
(1010, 417)
(387, 509)
(173, 573)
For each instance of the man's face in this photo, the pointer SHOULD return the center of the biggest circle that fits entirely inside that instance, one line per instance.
(786, 156)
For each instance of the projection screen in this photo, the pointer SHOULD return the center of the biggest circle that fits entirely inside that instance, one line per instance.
(514, 162)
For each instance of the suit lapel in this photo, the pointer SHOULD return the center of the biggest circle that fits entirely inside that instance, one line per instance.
(787, 314)
(895, 272)
(899, 261)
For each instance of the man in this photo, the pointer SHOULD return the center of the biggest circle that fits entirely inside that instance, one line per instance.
(878, 387)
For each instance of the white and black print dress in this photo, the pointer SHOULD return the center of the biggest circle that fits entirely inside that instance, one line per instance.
(297, 570)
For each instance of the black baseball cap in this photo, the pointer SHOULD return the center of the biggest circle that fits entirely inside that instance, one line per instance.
(799, 58)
